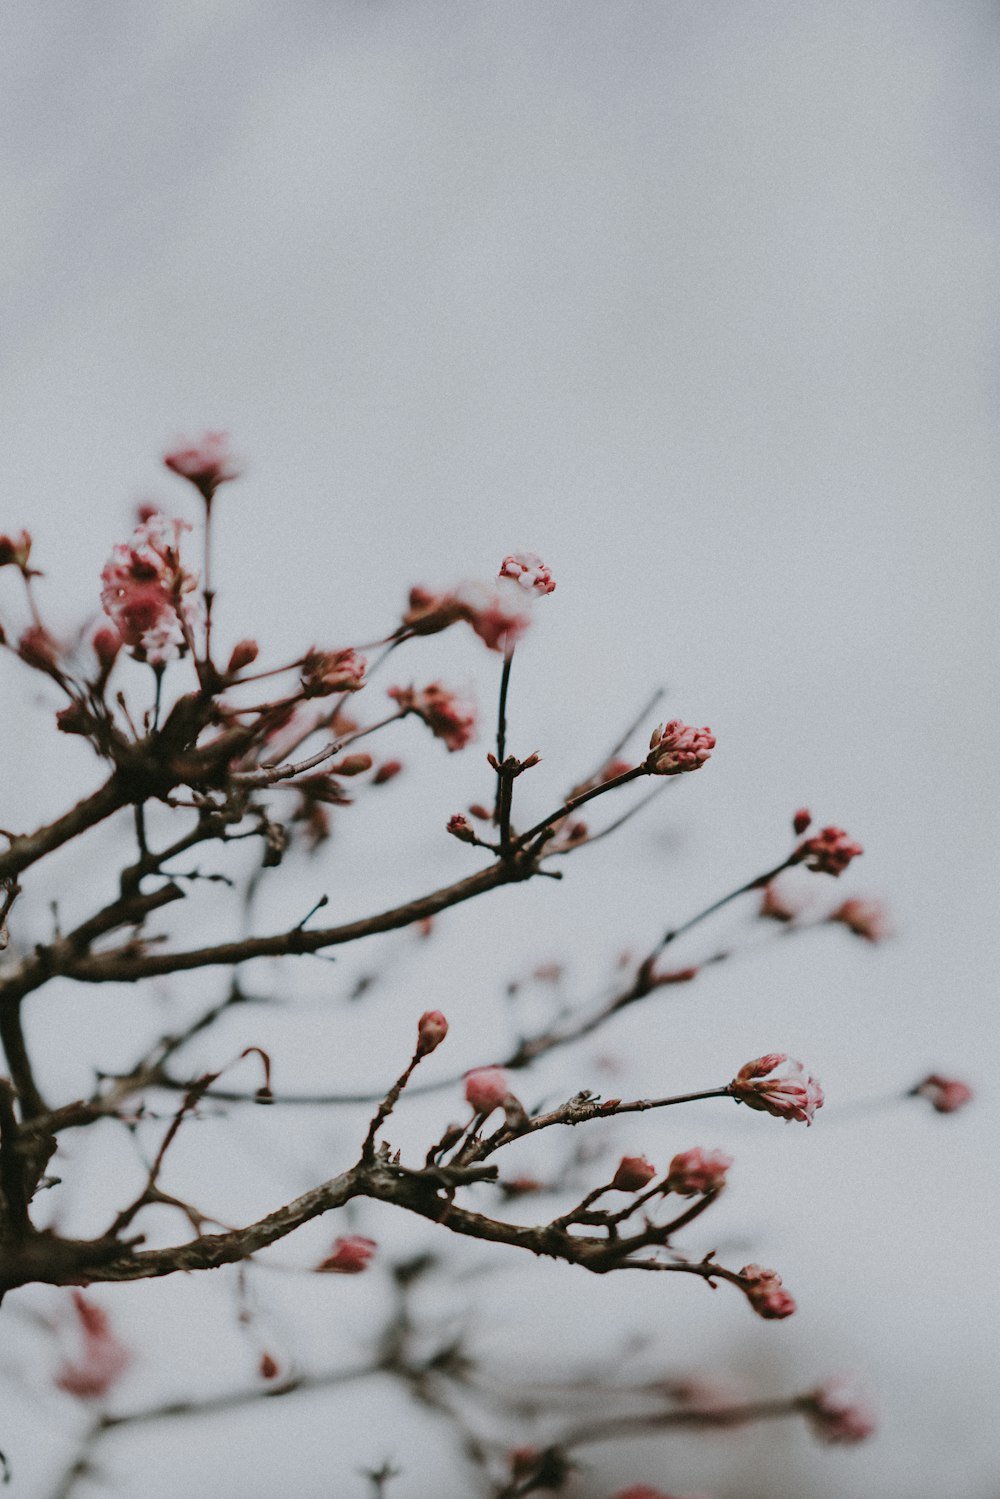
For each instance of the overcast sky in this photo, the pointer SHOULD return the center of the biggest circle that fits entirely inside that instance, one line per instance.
(698, 300)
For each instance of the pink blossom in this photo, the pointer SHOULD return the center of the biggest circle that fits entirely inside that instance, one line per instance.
(634, 1172)
(766, 1293)
(206, 463)
(432, 1027)
(497, 618)
(828, 852)
(529, 572)
(448, 718)
(15, 553)
(387, 771)
(697, 1171)
(349, 1256)
(776, 905)
(788, 1095)
(945, 1094)
(866, 918)
(430, 612)
(461, 828)
(839, 1413)
(38, 648)
(675, 747)
(486, 1089)
(103, 1360)
(147, 593)
(324, 672)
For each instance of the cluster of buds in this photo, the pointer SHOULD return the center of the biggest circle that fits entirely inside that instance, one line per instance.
(447, 717)
(675, 747)
(324, 672)
(205, 463)
(766, 1294)
(695, 1172)
(529, 572)
(103, 1360)
(498, 618)
(829, 851)
(147, 594)
(789, 1094)
(350, 1255)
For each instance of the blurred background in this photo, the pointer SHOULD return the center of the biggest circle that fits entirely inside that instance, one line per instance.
(698, 301)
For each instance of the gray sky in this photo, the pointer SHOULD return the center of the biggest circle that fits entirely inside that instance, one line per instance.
(698, 301)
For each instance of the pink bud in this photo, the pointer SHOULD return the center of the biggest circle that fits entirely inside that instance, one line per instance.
(352, 765)
(529, 572)
(698, 1171)
(206, 463)
(634, 1172)
(675, 747)
(766, 1294)
(350, 1255)
(801, 820)
(865, 918)
(827, 852)
(39, 649)
(16, 553)
(946, 1095)
(788, 1095)
(449, 718)
(245, 653)
(107, 643)
(838, 1412)
(432, 1028)
(460, 827)
(268, 1367)
(387, 771)
(486, 1089)
(324, 672)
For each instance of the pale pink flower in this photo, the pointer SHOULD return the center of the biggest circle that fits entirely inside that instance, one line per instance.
(499, 618)
(324, 672)
(148, 594)
(945, 1094)
(432, 1027)
(486, 1089)
(787, 1095)
(529, 572)
(206, 463)
(349, 1256)
(634, 1172)
(449, 718)
(866, 918)
(675, 747)
(766, 1294)
(827, 852)
(103, 1360)
(838, 1412)
(697, 1171)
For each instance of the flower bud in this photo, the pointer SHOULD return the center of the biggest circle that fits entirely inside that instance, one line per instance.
(268, 1367)
(634, 1172)
(352, 765)
(827, 852)
(460, 827)
(349, 1256)
(486, 1089)
(946, 1095)
(432, 1028)
(766, 1294)
(675, 747)
(801, 820)
(387, 771)
(694, 1172)
(245, 653)
(790, 1095)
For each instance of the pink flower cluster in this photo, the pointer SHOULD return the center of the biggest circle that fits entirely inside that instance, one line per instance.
(447, 717)
(675, 747)
(839, 1413)
(788, 1095)
(528, 571)
(827, 852)
(349, 1256)
(766, 1294)
(324, 672)
(498, 619)
(694, 1172)
(205, 463)
(148, 594)
(103, 1360)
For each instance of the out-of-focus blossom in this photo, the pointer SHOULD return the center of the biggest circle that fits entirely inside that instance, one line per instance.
(829, 851)
(448, 718)
(460, 827)
(645, 1491)
(324, 672)
(697, 1171)
(499, 618)
(37, 647)
(945, 1094)
(866, 918)
(206, 463)
(634, 1172)
(789, 1094)
(675, 747)
(777, 905)
(528, 571)
(766, 1294)
(15, 552)
(349, 1256)
(838, 1412)
(245, 653)
(387, 771)
(147, 594)
(104, 1358)
(268, 1367)
(486, 1089)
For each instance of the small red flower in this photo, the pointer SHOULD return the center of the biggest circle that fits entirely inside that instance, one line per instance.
(350, 1256)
